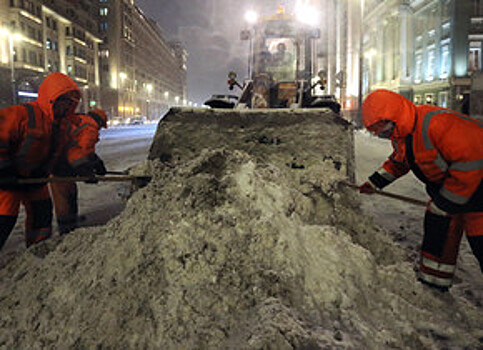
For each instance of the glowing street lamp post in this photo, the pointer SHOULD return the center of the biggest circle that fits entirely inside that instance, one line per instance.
(123, 76)
(11, 38)
(149, 88)
(166, 97)
(251, 17)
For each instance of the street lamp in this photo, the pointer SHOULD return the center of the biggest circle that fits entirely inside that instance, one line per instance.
(123, 76)
(149, 88)
(11, 38)
(251, 16)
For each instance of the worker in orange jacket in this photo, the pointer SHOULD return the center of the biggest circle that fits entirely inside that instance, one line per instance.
(78, 158)
(29, 137)
(444, 149)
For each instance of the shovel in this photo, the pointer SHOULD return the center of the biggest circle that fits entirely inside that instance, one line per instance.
(138, 181)
(389, 194)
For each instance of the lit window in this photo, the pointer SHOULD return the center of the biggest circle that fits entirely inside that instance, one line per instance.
(418, 68)
(103, 26)
(431, 59)
(103, 11)
(444, 61)
(443, 99)
(474, 59)
(48, 44)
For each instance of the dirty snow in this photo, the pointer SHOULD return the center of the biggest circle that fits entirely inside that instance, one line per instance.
(246, 245)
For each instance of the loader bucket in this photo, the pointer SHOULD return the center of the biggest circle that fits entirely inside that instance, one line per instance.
(291, 138)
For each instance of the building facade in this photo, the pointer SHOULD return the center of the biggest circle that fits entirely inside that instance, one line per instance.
(142, 73)
(40, 37)
(428, 50)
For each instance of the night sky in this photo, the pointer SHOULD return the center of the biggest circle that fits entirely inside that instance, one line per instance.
(173, 14)
(209, 29)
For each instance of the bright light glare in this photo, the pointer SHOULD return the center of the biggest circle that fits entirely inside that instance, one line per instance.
(370, 53)
(6, 32)
(307, 14)
(251, 16)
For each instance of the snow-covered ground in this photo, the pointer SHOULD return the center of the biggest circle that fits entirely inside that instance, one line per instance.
(123, 147)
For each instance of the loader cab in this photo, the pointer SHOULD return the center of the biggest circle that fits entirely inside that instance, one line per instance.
(281, 64)
(282, 49)
(281, 70)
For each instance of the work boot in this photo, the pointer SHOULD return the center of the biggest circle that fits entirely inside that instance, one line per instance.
(67, 224)
(433, 286)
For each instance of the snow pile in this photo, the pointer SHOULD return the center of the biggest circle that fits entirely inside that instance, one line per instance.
(232, 248)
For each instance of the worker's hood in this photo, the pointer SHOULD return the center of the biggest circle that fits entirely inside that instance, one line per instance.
(55, 85)
(387, 105)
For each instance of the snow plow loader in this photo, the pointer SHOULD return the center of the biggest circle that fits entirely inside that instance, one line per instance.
(281, 68)
(278, 119)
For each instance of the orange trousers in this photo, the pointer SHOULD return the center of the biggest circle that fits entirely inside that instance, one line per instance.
(66, 208)
(38, 208)
(442, 237)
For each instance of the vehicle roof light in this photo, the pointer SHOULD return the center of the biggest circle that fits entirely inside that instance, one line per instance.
(307, 14)
(251, 16)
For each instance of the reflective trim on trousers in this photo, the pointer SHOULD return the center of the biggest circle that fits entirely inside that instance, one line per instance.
(37, 236)
(438, 281)
(446, 268)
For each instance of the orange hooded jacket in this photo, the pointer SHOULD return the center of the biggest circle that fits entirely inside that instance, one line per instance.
(26, 138)
(81, 133)
(444, 149)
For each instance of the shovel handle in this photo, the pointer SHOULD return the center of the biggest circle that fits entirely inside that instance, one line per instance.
(120, 178)
(390, 195)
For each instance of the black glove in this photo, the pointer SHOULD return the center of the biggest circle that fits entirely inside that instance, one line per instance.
(98, 166)
(94, 166)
